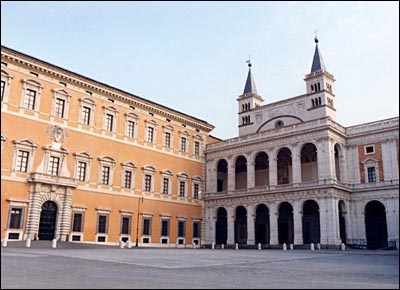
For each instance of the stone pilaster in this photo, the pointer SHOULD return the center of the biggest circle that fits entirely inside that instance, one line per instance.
(251, 178)
(296, 164)
(231, 225)
(273, 223)
(65, 214)
(250, 225)
(297, 223)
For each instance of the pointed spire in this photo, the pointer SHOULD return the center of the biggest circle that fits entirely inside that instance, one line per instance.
(318, 63)
(250, 86)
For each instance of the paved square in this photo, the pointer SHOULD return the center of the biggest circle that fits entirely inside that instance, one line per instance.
(111, 267)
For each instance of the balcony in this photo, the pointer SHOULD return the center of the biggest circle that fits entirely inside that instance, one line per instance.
(37, 177)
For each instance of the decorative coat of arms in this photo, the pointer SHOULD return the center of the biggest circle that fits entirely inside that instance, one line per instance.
(57, 133)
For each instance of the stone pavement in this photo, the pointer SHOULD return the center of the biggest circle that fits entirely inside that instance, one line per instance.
(93, 266)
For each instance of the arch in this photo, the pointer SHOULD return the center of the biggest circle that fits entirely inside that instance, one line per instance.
(280, 116)
(241, 225)
(285, 223)
(337, 153)
(221, 226)
(375, 225)
(48, 221)
(319, 86)
(241, 172)
(222, 175)
(309, 162)
(284, 166)
(311, 222)
(342, 220)
(261, 169)
(262, 227)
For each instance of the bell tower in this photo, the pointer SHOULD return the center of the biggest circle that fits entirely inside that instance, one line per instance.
(319, 85)
(248, 101)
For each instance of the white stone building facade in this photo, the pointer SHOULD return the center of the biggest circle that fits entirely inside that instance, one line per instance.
(296, 176)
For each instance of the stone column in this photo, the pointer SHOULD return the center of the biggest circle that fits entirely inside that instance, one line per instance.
(209, 224)
(389, 160)
(65, 214)
(273, 171)
(251, 178)
(231, 225)
(231, 175)
(326, 161)
(298, 223)
(211, 177)
(296, 164)
(250, 225)
(273, 223)
(328, 222)
(392, 218)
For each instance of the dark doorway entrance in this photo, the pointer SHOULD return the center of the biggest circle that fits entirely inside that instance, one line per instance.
(221, 227)
(285, 224)
(375, 224)
(47, 224)
(241, 226)
(311, 229)
(262, 225)
(342, 221)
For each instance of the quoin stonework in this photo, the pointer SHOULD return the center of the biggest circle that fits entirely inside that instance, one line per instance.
(296, 176)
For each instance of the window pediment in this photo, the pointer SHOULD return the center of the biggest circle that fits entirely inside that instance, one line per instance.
(25, 142)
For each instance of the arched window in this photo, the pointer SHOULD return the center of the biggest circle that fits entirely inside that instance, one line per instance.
(241, 172)
(309, 166)
(222, 176)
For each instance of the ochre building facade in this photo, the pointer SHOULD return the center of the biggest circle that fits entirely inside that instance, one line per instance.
(84, 161)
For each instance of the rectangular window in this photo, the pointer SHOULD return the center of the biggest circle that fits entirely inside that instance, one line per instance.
(109, 122)
(182, 187)
(86, 115)
(196, 148)
(150, 134)
(167, 139)
(22, 161)
(128, 179)
(126, 225)
(181, 229)
(183, 144)
(59, 107)
(131, 129)
(146, 227)
(196, 230)
(81, 171)
(371, 174)
(147, 182)
(3, 87)
(30, 99)
(102, 224)
(54, 163)
(77, 224)
(165, 186)
(164, 228)
(369, 149)
(195, 191)
(105, 175)
(15, 218)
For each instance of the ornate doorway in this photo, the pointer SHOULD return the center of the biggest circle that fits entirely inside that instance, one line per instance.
(48, 217)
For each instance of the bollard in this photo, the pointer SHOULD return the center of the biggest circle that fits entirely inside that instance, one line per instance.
(121, 244)
(194, 245)
(312, 247)
(222, 246)
(284, 246)
(213, 246)
(4, 243)
(319, 246)
(236, 246)
(129, 244)
(291, 247)
(54, 243)
(342, 247)
(28, 242)
(259, 246)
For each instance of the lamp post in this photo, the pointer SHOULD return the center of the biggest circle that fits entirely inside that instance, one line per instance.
(140, 200)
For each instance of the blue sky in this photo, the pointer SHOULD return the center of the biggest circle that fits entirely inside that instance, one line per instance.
(191, 56)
